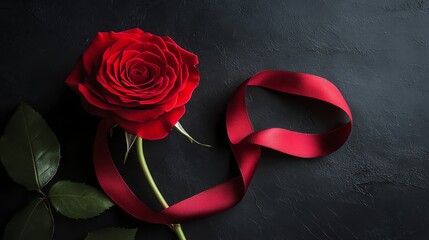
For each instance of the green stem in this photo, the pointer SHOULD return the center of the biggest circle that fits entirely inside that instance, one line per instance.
(148, 175)
(177, 228)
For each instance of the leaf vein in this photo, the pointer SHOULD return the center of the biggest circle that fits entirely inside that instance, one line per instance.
(29, 217)
(36, 175)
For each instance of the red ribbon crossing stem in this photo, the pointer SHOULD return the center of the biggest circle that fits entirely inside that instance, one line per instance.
(245, 144)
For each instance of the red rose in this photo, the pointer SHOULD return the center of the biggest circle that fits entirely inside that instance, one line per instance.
(140, 80)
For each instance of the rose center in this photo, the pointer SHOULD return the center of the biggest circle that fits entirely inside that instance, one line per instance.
(139, 72)
(139, 75)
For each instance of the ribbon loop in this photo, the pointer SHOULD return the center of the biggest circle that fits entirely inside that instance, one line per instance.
(245, 144)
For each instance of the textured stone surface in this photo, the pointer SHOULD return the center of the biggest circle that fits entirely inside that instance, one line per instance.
(377, 52)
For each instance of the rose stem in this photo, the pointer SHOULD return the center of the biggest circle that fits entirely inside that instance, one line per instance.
(177, 228)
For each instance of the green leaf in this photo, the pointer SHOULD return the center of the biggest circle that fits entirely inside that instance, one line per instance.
(130, 140)
(29, 150)
(112, 234)
(77, 200)
(33, 222)
(191, 139)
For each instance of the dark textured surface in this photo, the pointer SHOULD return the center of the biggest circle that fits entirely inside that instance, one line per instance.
(377, 52)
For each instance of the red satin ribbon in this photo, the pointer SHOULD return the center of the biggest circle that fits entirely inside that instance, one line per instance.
(245, 144)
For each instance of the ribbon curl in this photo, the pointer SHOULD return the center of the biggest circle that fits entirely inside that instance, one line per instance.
(245, 144)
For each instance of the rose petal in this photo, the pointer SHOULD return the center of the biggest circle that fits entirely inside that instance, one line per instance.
(185, 94)
(134, 30)
(189, 57)
(122, 44)
(153, 39)
(172, 61)
(174, 49)
(154, 129)
(93, 110)
(92, 57)
(139, 115)
(169, 104)
(76, 76)
(95, 100)
(168, 91)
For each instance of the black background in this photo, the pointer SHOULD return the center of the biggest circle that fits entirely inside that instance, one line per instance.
(377, 53)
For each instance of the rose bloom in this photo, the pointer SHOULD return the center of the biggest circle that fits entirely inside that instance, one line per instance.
(140, 80)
